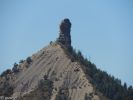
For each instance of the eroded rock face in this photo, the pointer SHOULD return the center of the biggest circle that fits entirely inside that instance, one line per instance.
(64, 35)
(53, 75)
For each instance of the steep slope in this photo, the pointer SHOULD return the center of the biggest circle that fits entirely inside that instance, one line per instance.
(67, 76)
(51, 73)
(58, 72)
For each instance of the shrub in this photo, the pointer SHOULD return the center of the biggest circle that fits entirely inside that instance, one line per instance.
(45, 87)
(8, 71)
(29, 60)
(21, 61)
(51, 42)
(6, 89)
(63, 94)
(15, 68)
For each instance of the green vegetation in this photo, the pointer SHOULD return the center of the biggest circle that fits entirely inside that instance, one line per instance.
(105, 83)
(8, 71)
(29, 60)
(63, 94)
(88, 97)
(45, 87)
(42, 92)
(21, 61)
(15, 68)
(6, 89)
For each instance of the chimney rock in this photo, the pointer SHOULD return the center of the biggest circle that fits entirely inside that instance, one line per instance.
(64, 35)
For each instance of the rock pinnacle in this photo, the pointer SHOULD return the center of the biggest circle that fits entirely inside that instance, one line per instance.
(64, 35)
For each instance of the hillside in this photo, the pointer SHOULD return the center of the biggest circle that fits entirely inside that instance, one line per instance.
(58, 72)
(67, 76)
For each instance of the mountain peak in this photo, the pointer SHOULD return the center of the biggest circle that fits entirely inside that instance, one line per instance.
(58, 72)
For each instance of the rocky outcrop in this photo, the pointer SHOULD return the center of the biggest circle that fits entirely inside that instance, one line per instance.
(64, 35)
(67, 82)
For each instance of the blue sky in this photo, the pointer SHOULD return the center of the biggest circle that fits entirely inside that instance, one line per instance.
(101, 29)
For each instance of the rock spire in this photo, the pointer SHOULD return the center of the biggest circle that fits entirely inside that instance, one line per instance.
(64, 35)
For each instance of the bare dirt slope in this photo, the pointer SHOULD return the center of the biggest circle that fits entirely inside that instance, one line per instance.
(65, 74)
